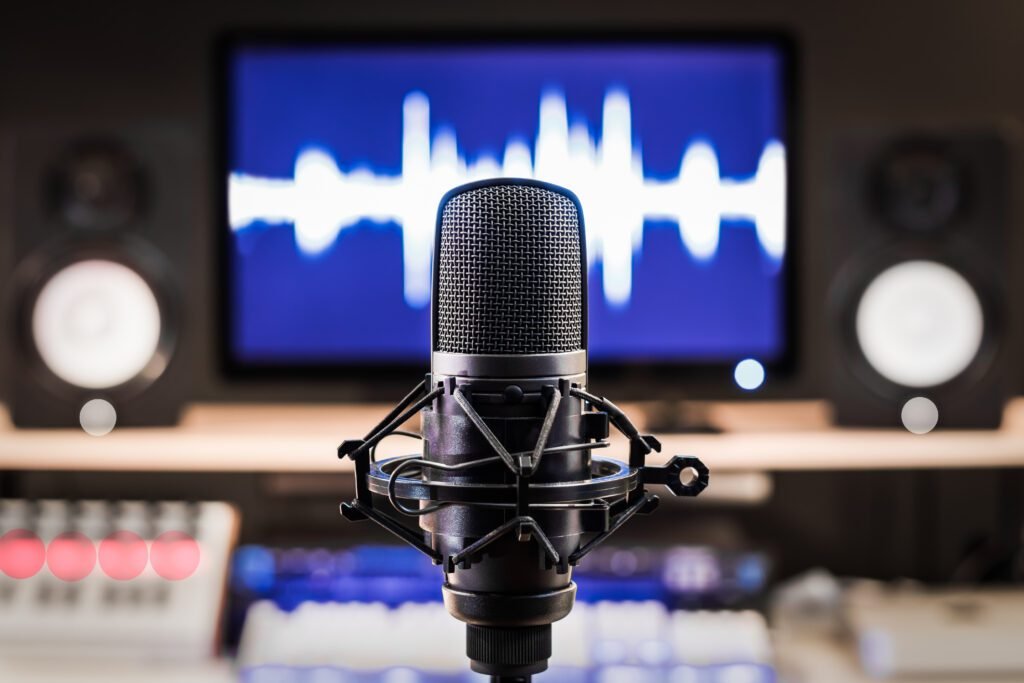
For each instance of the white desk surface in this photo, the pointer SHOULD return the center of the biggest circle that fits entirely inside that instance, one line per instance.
(72, 670)
(800, 659)
(820, 658)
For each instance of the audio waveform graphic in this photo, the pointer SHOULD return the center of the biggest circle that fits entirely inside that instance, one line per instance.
(321, 200)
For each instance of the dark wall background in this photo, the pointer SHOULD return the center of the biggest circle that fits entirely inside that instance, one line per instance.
(907, 63)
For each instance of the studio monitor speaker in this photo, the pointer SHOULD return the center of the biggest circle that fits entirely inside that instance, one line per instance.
(103, 225)
(920, 260)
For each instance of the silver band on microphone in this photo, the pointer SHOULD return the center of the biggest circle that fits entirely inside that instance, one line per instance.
(508, 365)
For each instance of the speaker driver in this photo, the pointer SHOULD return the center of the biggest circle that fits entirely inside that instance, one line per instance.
(97, 185)
(919, 187)
(96, 324)
(919, 324)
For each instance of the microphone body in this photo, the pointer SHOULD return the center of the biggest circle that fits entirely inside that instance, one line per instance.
(508, 491)
(508, 335)
(511, 591)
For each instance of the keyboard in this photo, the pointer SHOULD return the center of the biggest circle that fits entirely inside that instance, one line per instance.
(607, 642)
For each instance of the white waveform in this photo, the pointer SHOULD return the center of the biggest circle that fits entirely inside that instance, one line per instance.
(607, 174)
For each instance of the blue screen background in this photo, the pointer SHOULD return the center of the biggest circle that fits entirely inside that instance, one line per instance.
(345, 305)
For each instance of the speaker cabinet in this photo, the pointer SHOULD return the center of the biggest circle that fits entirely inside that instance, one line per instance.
(920, 256)
(103, 226)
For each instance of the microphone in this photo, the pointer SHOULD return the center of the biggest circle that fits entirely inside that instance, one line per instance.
(508, 491)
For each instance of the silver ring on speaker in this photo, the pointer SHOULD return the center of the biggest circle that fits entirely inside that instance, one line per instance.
(97, 324)
(920, 323)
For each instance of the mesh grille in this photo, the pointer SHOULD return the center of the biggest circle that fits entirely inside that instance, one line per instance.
(509, 272)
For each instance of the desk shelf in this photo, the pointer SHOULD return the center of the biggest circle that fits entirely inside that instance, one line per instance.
(756, 437)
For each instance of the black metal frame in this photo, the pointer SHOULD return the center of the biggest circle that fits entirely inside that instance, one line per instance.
(614, 494)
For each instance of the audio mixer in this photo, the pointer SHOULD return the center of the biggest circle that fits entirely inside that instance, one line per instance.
(114, 580)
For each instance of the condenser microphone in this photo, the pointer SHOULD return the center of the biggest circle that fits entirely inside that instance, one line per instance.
(509, 491)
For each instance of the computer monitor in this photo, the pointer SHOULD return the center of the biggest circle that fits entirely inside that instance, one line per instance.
(337, 152)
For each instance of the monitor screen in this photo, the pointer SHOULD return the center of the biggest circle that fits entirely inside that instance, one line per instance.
(338, 153)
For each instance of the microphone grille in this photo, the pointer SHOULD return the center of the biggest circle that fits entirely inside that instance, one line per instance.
(510, 272)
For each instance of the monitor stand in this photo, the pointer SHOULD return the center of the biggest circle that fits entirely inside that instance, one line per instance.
(678, 417)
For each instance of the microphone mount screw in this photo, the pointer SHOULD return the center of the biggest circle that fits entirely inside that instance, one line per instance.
(670, 475)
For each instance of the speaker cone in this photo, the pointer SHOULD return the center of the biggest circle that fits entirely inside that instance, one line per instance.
(97, 324)
(920, 323)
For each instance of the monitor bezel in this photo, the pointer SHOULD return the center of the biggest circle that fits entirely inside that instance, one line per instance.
(633, 380)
